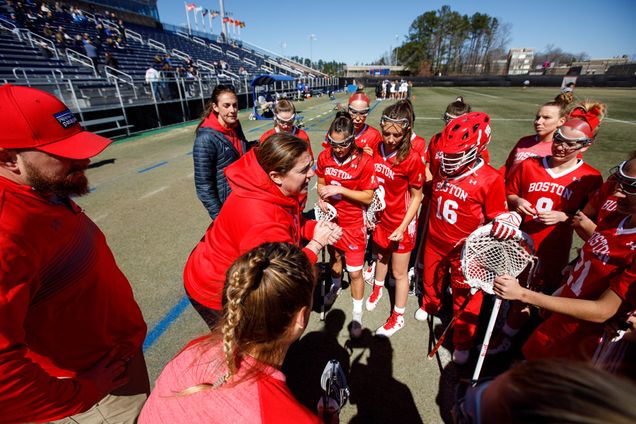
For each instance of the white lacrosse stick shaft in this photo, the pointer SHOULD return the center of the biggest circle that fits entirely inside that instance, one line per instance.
(484, 345)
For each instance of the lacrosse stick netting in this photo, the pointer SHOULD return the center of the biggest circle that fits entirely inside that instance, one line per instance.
(485, 257)
(377, 205)
(325, 216)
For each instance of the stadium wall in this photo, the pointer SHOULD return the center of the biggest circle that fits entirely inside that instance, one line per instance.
(505, 81)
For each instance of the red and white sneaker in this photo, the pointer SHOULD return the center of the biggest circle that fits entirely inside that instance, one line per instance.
(393, 324)
(375, 297)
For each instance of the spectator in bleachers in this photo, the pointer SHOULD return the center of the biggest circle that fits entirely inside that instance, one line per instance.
(47, 31)
(242, 71)
(167, 60)
(110, 60)
(59, 9)
(78, 43)
(45, 10)
(121, 29)
(91, 52)
(153, 77)
(158, 60)
(120, 44)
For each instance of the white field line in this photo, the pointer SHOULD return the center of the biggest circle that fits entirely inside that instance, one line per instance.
(621, 121)
(100, 217)
(152, 193)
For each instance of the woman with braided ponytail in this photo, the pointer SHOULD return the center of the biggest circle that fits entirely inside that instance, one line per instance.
(234, 374)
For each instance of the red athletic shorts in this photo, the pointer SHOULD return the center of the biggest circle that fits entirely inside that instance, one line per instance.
(381, 239)
(353, 244)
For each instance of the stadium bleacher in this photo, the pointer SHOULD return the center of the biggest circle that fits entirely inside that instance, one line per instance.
(30, 54)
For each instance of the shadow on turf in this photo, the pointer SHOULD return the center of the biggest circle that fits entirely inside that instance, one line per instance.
(378, 397)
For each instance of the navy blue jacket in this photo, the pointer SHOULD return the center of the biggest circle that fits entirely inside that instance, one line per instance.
(212, 153)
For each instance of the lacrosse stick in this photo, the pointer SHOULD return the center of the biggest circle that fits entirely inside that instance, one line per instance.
(326, 217)
(377, 204)
(450, 325)
(610, 352)
(485, 257)
(334, 385)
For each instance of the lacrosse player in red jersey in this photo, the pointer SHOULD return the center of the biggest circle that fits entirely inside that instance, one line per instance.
(549, 117)
(601, 284)
(346, 179)
(367, 137)
(284, 119)
(401, 172)
(467, 193)
(547, 192)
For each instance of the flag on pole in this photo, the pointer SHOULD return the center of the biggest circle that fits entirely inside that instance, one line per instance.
(190, 7)
(204, 12)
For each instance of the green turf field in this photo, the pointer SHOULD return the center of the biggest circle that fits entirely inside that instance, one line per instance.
(144, 201)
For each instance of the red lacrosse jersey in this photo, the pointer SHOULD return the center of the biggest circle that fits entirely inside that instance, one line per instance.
(606, 260)
(396, 179)
(546, 190)
(418, 144)
(295, 131)
(526, 147)
(368, 136)
(462, 204)
(603, 200)
(355, 173)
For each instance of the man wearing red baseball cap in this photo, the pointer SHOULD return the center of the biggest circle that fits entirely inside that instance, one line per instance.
(70, 329)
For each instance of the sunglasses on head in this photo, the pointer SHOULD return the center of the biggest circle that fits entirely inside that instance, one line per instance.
(571, 143)
(362, 112)
(401, 122)
(624, 182)
(289, 121)
(340, 144)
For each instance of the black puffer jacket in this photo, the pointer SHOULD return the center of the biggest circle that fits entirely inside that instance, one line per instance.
(212, 153)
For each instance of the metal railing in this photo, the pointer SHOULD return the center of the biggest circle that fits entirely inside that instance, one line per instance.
(182, 34)
(230, 53)
(200, 41)
(206, 65)
(114, 96)
(250, 61)
(215, 47)
(82, 59)
(134, 36)
(180, 54)
(156, 45)
(36, 40)
(9, 26)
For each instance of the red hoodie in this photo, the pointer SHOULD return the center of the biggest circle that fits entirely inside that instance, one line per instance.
(212, 121)
(255, 212)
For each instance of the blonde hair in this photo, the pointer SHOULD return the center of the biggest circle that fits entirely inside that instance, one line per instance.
(284, 105)
(264, 290)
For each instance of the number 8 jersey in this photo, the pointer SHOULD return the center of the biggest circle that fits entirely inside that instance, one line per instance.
(462, 204)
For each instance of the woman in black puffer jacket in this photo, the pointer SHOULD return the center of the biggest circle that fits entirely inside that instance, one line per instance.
(219, 142)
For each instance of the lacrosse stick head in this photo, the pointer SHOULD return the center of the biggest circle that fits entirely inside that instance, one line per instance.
(334, 382)
(377, 204)
(325, 216)
(485, 257)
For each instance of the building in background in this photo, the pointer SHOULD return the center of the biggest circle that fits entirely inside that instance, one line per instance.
(374, 70)
(520, 61)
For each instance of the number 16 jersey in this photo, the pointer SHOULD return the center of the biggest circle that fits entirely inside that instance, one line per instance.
(462, 204)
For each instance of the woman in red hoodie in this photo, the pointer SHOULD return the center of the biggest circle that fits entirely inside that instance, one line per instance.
(263, 207)
(219, 142)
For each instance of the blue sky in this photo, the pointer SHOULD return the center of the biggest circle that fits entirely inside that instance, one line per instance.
(351, 32)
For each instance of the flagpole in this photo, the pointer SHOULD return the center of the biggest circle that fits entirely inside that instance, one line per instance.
(223, 23)
(210, 18)
(187, 17)
(196, 23)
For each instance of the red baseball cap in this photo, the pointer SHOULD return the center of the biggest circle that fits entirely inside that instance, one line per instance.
(34, 119)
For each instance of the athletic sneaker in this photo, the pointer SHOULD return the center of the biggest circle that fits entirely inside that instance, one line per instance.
(392, 325)
(356, 325)
(375, 297)
(332, 295)
(421, 314)
(460, 357)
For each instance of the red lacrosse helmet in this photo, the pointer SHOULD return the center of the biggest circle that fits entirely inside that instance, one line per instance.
(463, 139)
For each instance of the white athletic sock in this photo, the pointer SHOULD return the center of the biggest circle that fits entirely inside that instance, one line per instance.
(399, 311)
(379, 283)
(357, 306)
(336, 282)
